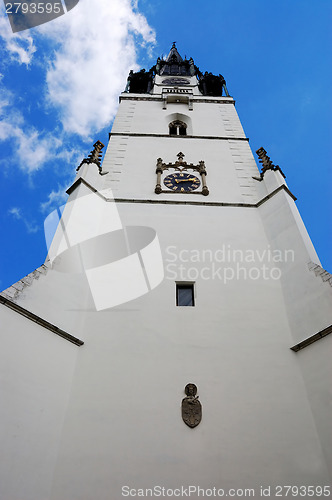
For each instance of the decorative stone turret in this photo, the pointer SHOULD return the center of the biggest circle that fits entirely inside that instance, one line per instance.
(140, 82)
(174, 65)
(213, 85)
(94, 157)
(267, 164)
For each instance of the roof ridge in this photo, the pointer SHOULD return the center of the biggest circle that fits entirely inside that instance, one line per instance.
(14, 291)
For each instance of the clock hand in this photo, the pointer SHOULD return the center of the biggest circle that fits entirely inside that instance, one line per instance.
(183, 180)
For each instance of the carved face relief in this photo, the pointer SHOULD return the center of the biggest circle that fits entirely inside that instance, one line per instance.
(190, 390)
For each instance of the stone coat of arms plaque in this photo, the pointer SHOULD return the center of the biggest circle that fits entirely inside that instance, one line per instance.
(191, 407)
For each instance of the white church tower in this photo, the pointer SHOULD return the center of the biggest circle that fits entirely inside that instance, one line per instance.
(176, 340)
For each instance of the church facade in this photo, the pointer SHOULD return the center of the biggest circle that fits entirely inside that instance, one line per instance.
(176, 340)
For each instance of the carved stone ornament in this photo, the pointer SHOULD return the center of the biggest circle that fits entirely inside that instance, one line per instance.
(267, 164)
(176, 81)
(180, 166)
(94, 157)
(191, 407)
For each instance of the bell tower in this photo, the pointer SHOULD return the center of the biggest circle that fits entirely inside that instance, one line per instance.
(174, 108)
(177, 336)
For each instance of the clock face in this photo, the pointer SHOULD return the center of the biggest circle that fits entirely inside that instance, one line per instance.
(176, 81)
(182, 182)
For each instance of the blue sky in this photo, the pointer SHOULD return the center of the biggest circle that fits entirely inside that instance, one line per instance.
(59, 87)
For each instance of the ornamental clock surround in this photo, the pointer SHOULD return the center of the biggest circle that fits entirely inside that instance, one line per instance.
(181, 181)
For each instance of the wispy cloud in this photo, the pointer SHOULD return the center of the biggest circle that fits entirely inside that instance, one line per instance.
(20, 47)
(31, 148)
(31, 226)
(55, 199)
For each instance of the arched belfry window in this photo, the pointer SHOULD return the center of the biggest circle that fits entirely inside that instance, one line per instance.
(177, 128)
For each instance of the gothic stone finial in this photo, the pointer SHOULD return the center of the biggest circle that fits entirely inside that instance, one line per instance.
(180, 157)
(266, 162)
(94, 156)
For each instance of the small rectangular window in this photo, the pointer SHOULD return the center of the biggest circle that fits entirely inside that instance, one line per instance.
(185, 294)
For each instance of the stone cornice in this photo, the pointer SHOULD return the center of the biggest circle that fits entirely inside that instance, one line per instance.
(312, 339)
(40, 321)
(79, 181)
(218, 138)
(158, 98)
(280, 188)
(184, 202)
(206, 203)
(180, 202)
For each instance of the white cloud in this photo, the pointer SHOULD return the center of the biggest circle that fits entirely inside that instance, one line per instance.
(31, 227)
(32, 149)
(20, 46)
(4, 97)
(55, 199)
(90, 49)
(95, 50)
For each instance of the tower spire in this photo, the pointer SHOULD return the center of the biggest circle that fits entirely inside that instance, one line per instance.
(174, 56)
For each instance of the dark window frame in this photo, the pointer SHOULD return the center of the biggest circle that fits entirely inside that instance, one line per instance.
(185, 287)
(177, 127)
